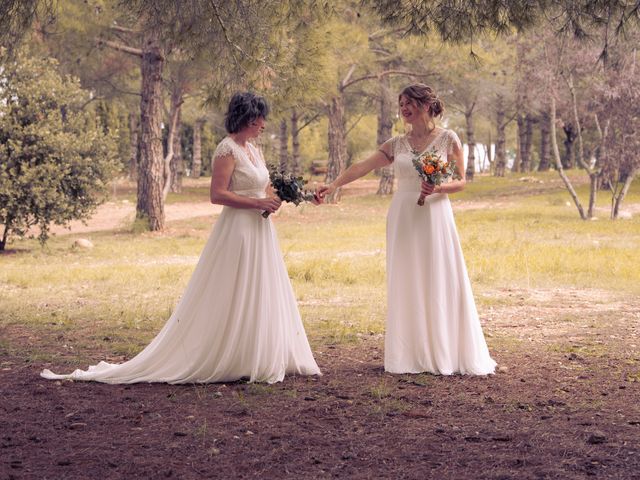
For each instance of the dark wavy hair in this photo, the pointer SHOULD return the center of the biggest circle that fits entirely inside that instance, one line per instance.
(425, 96)
(244, 108)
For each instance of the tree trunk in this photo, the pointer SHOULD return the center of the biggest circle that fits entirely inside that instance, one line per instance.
(486, 166)
(133, 146)
(490, 154)
(196, 167)
(177, 161)
(385, 127)
(150, 205)
(337, 144)
(560, 168)
(174, 115)
(471, 145)
(296, 168)
(525, 154)
(519, 147)
(606, 169)
(5, 235)
(521, 102)
(568, 161)
(617, 199)
(284, 146)
(581, 155)
(385, 187)
(501, 153)
(593, 190)
(544, 164)
(607, 172)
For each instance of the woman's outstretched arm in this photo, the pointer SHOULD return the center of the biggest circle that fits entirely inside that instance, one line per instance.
(379, 159)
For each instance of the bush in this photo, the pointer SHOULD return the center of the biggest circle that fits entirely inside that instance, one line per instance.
(55, 160)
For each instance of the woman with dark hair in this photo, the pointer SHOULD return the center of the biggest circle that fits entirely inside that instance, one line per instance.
(238, 317)
(432, 321)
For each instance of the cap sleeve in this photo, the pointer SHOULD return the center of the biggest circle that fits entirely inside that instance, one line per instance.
(453, 142)
(223, 149)
(388, 148)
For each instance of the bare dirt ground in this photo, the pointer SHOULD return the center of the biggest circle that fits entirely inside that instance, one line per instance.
(565, 404)
(115, 215)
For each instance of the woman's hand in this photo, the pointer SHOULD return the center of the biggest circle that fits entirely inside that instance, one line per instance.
(316, 199)
(269, 204)
(324, 191)
(379, 159)
(427, 188)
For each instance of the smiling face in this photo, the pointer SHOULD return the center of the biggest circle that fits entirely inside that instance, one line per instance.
(412, 111)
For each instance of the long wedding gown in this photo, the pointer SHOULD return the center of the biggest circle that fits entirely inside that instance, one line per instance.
(432, 321)
(238, 316)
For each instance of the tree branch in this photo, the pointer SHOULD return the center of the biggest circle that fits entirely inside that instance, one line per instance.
(345, 82)
(173, 124)
(225, 33)
(354, 124)
(121, 48)
(83, 106)
(576, 118)
(471, 108)
(118, 28)
(384, 33)
(385, 73)
(307, 123)
(380, 51)
(117, 89)
(556, 156)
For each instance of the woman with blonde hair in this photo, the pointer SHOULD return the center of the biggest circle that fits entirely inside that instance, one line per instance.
(432, 321)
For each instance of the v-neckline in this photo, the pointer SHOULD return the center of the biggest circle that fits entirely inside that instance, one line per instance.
(246, 152)
(429, 145)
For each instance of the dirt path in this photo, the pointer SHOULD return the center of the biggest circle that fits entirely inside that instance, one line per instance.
(115, 215)
(565, 405)
(120, 213)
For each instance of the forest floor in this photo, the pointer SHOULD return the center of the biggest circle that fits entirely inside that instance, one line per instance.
(564, 404)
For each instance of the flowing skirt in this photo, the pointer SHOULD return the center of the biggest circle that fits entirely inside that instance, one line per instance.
(238, 317)
(432, 321)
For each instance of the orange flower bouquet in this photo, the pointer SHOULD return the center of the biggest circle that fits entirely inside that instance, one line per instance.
(433, 169)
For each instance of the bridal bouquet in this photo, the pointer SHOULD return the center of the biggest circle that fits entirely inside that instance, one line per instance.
(432, 169)
(288, 187)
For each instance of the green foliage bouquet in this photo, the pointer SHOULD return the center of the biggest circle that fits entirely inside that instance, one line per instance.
(432, 169)
(288, 187)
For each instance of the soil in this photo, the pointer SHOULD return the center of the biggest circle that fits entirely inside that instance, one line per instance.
(564, 404)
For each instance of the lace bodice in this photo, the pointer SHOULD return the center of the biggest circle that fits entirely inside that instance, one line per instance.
(404, 170)
(247, 179)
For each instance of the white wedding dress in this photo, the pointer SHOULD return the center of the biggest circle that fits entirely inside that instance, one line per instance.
(238, 317)
(432, 321)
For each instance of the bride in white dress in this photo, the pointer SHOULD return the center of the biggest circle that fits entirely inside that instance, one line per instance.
(238, 317)
(432, 321)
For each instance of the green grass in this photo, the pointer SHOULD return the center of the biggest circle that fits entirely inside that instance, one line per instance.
(118, 294)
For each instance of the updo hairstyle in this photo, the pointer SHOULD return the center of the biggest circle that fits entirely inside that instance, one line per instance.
(423, 95)
(244, 108)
